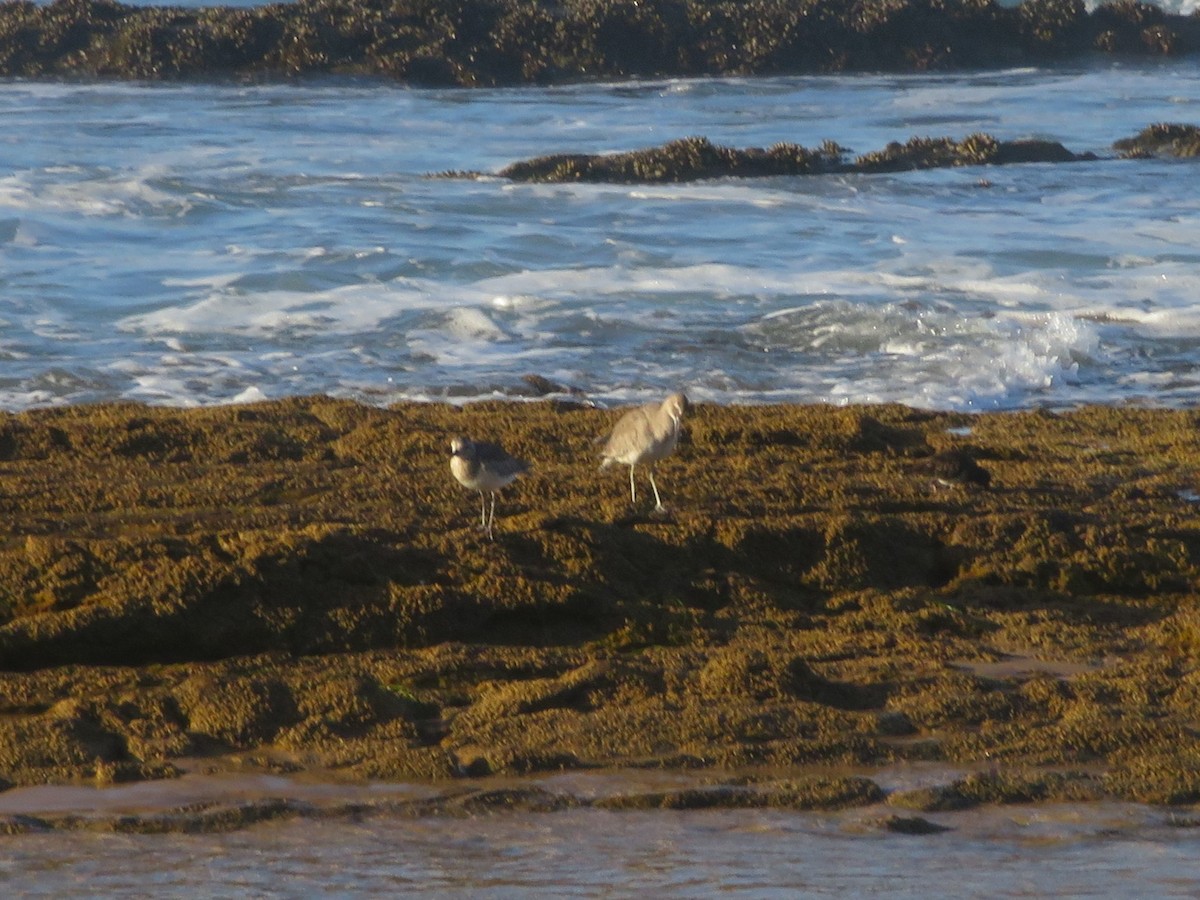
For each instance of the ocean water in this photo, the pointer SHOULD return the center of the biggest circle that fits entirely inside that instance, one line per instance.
(1048, 850)
(202, 243)
(1019, 853)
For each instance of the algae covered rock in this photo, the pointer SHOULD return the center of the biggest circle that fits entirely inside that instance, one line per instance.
(688, 159)
(491, 42)
(1163, 139)
(696, 158)
(300, 584)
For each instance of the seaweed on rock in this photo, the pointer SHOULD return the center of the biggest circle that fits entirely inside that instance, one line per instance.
(1163, 139)
(260, 587)
(695, 158)
(491, 42)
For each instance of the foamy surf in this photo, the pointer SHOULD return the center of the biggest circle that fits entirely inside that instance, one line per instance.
(289, 240)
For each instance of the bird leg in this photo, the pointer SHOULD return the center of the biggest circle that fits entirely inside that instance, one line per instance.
(482, 512)
(658, 507)
(632, 489)
(492, 517)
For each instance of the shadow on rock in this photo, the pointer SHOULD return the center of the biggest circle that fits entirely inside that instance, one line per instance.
(305, 592)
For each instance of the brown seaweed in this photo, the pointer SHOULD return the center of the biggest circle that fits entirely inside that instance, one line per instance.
(300, 584)
(492, 42)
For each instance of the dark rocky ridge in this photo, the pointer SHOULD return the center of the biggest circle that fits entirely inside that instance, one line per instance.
(1164, 139)
(696, 158)
(494, 42)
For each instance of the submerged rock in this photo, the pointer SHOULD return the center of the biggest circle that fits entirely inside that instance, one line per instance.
(914, 825)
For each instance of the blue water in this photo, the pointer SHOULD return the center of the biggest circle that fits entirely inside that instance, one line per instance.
(202, 243)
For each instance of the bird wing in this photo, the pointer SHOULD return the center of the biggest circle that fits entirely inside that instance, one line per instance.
(498, 459)
(630, 436)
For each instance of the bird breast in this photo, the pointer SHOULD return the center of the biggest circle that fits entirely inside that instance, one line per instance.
(465, 470)
(486, 475)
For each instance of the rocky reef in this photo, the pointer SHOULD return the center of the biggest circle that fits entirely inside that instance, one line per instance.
(1163, 139)
(494, 42)
(301, 586)
(696, 158)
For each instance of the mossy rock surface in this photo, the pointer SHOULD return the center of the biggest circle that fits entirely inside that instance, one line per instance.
(492, 42)
(1162, 139)
(301, 585)
(697, 158)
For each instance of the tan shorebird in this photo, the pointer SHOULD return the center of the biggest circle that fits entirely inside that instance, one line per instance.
(484, 468)
(643, 436)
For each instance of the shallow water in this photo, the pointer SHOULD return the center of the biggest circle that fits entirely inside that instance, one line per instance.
(1110, 851)
(1078, 850)
(200, 243)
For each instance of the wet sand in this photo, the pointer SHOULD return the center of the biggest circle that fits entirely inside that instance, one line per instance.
(299, 588)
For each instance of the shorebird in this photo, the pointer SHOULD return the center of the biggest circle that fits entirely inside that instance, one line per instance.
(645, 435)
(484, 467)
(956, 468)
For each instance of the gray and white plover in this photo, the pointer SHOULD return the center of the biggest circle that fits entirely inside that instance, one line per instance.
(484, 467)
(956, 467)
(643, 436)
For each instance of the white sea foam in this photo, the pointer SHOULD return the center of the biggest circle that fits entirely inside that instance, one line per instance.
(932, 358)
(251, 394)
(287, 241)
(269, 313)
(1179, 7)
(91, 193)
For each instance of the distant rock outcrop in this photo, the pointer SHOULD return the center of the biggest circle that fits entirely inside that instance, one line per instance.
(492, 42)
